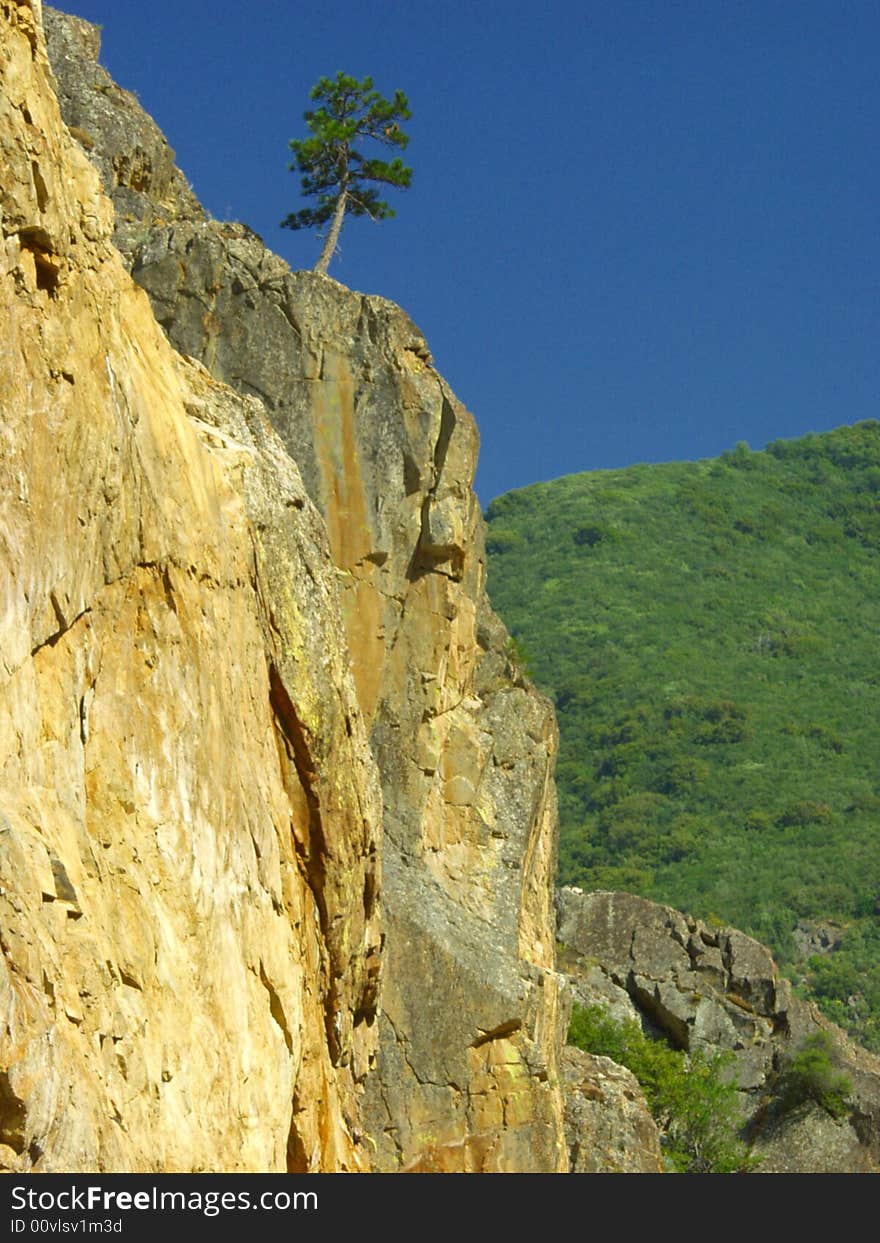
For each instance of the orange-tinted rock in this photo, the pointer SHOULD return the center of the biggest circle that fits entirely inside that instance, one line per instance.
(221, 658)
(189, 812)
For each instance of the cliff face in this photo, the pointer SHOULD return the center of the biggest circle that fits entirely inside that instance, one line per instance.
(242, 628)
(189, 810)
(210, 688)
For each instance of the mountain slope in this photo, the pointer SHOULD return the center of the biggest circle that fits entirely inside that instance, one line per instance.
(708, 632)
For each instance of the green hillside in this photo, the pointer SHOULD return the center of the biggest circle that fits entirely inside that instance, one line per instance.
(709, 634)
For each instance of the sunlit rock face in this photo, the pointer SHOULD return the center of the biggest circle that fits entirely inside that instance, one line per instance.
(212, 663)
(190, 816)
(219, 675)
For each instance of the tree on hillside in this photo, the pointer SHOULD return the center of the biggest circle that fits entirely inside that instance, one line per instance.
(334, 169)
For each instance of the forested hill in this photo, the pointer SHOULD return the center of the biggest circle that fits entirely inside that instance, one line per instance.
(710, 634)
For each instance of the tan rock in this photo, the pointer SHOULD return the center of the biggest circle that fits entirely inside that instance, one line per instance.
(190, 812)
(465, 746)
(607, 1121)
(465, 751)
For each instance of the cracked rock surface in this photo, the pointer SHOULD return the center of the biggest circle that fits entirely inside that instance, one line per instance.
(608, 1125)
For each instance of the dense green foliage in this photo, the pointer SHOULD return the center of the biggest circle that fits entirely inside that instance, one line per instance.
(692, 1099)
(708, 632)
(812, 1076)
(335, 171)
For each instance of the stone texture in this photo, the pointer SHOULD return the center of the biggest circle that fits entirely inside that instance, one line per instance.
(465, 747)
(131, 153)
(717, 989)
(811, 1141)
(608, 1125)
(189, 810)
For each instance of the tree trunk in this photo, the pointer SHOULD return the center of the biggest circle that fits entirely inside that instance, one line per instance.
(333, 236)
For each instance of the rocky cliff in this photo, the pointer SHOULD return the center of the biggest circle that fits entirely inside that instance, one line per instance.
(190, 815)
(271, 785)
(220, 674)
(717, 990)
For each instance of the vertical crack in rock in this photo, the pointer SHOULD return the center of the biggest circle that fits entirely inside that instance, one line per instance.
(435, 544)
(276, 1009)
(310, 841)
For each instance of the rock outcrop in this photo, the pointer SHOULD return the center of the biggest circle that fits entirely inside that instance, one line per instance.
(608, 1125)
(715, 989)
(190, 816)
(212, 663)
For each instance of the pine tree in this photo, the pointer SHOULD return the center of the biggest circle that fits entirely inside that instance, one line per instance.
(334, 170)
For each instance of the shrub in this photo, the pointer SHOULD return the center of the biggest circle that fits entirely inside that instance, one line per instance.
(594, 1030)
(803, 813)
(692, 1099)
(518, 655)
(503, 539)
(589, 535)
(797, 645)
(683, 774)
(759, 821)
(812, 1076)
(741, 457)
(747, 524)
(724, 731)
(864, 799)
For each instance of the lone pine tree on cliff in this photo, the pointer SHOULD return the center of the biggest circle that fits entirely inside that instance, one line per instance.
(334, 170)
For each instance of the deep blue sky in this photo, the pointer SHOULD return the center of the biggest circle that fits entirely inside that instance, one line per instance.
(638, 230)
